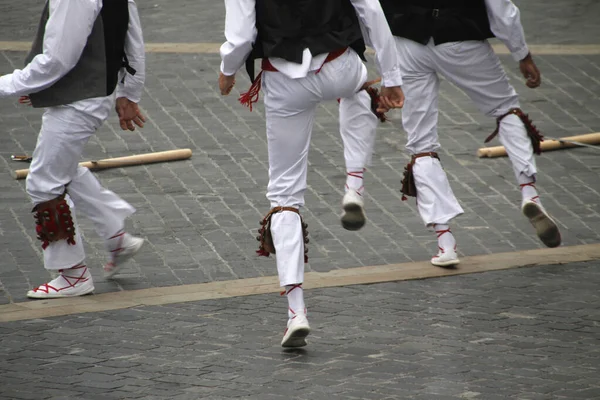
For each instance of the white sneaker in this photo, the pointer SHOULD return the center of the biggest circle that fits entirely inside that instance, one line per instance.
(72, 282)
(353, 217)
(123, 247)
(445, 258)
(545, 227)
(296, 332)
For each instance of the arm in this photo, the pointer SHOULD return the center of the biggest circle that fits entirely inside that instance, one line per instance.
(240, 33)
(377, 34)
(505, 23)
(66, 34)
(133, 85)
(130, 87)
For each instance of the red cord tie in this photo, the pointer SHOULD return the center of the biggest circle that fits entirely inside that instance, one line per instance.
(251, 96)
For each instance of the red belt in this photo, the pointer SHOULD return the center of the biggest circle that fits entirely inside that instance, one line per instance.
(251, 96)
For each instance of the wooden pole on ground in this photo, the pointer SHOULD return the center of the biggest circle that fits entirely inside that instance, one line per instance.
(546, 145)
(138, 159)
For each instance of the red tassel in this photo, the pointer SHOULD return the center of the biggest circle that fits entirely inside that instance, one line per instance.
(262, 253)
(305, 259)
(404, 198)
(251, 96)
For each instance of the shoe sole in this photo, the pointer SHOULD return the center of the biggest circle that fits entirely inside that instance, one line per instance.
(449, 263)
(33, 295)
(296, 339)
(124, 259)
(354, 217)
(545, 227)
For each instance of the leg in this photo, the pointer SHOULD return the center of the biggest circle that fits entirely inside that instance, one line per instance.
(290, 110)
(358, 127)
(436, 202)
(476, 69)
(60, 144)
(486, 83)
(108, 212)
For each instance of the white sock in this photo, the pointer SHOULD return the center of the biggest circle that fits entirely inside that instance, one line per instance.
(354, 180)
(115, 241)
(445, 237)
(295, 296)
(527, 185)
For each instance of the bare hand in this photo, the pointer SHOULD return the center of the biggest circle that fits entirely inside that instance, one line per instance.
(226, 83)
(129, 113)
(392, 97)
(530, 72)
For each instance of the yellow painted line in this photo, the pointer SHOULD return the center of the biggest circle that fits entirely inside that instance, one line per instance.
(313, 280)
(213, 48)
(15, 46)
(206, 48)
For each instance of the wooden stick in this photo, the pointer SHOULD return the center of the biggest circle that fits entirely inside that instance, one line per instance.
(138, 159)
(546, 145)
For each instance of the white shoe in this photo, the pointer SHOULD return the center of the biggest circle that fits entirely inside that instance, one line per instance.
(445, 258)
(353, 217)
(123, 247)
(545, 227)
(296, 332)
(72, 282)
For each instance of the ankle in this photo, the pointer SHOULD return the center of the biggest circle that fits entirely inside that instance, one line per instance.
(528, 191)
(355, 180)
(445, 237)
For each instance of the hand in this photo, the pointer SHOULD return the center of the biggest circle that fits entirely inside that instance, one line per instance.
(226, 83)
(530, 72)
(25, 100)
(392, 97)
(129, 113)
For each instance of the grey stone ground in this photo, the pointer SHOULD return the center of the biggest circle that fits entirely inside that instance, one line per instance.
(529, 334)
(200, 216)
(523, 334)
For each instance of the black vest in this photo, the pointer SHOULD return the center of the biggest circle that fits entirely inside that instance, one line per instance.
(97, 72)
(287, 27)
(443, 20)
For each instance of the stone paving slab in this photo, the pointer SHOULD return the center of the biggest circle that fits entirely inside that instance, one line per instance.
(521, 334)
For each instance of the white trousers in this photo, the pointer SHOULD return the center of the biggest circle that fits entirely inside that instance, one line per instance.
(64, 133)
(474, 68)
(290, 106)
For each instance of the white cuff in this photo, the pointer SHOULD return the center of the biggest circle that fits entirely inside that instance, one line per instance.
(6, 85)
(520, 54)
(130, 94)
(225, 71)
(392, 78)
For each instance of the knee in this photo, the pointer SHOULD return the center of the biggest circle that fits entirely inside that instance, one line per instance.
(506, 104)
(35, 189)
(422, 146)
(423, 141)
(41, 190)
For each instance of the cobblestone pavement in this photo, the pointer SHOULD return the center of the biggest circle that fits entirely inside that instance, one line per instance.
(546, 21)
(523, 334)
(200, 216)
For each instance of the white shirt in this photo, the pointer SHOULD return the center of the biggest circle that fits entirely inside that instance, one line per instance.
(67, 31)
(241, 32)
(505, 23)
